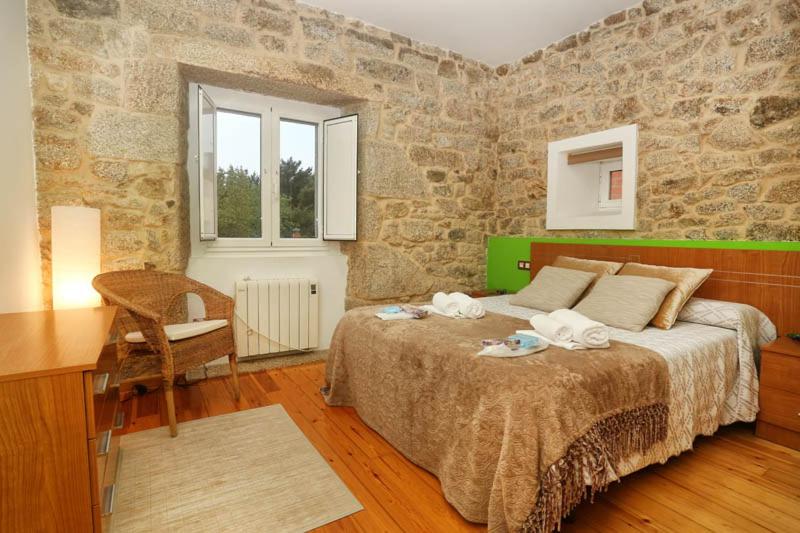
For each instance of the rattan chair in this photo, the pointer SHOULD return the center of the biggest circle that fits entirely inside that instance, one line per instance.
(156, 299)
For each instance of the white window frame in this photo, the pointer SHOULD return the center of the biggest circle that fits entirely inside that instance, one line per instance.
(572, 206)
(271, 110)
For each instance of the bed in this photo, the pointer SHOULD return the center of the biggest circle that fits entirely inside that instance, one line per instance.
(516, 442)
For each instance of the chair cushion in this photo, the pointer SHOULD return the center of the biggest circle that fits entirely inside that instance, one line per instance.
(176, 332)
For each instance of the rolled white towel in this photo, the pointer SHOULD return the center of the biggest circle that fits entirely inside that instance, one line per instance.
(468, 307)
(567, 345)
(552, 329)
(584, 330)
(444, 304)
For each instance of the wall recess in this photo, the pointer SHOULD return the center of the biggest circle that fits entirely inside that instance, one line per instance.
(591, 180)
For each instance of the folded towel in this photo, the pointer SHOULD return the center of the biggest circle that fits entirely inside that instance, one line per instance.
(552, 329)
(444, 304)
(584, 330)
(434, 310)
(567, 345)
(468, 307)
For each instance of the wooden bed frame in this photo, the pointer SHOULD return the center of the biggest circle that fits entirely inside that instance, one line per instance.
(766, 279)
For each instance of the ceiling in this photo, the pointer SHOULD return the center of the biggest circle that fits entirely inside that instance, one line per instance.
(492, 31)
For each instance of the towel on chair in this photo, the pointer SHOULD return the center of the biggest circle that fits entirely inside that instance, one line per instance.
(467, 306)
(550, 328)
(585, 331)
(444, 304)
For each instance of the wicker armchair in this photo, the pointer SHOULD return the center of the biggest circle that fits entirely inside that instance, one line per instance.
(156, 299)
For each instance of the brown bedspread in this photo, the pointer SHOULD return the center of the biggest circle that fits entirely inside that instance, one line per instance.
(514, 441)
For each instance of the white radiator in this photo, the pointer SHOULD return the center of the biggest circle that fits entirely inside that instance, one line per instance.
(276, 315)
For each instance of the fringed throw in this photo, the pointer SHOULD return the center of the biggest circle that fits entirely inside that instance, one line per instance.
(507, 438)
(591, 459)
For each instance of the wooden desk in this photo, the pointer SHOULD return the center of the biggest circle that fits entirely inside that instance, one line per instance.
(57, 409)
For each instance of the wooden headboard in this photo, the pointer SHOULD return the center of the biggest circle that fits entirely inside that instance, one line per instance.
(766, 279)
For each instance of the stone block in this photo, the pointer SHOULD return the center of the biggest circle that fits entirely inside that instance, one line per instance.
(121, 135)
(55, 152)
(264, 20)
(384, 71)
(88, 9)
(771, 109)
(153, 87)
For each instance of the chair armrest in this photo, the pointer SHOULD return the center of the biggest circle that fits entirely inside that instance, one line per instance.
(217, 305)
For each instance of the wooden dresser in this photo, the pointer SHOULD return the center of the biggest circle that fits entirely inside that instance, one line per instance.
(779, 394)
(58, 406)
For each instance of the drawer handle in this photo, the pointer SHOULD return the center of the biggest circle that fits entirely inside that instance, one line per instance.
(104, 443)
(119, 420)
(100, 383)
(109, 495)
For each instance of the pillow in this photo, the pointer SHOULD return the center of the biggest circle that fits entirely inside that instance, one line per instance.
(601, 268)
(553, 288)
(687, 280)
(627, 302)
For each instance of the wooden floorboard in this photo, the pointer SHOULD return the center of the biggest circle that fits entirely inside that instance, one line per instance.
(730, 482)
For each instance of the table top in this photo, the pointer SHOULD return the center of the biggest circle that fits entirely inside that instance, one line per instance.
(42, 343)
(783, 345)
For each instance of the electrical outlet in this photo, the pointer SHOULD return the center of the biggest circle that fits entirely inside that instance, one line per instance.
(523, 265)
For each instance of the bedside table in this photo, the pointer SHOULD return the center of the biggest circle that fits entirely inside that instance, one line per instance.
(779, 393)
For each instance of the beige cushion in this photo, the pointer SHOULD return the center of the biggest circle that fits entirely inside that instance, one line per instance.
(553, 288)
(176, 332)
(601, 268)
(627, 302)
(686, 280)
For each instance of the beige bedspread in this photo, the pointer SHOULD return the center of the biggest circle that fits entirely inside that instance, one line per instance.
(515, 441)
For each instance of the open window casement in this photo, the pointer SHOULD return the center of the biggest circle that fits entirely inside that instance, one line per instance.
(207, 164)
(339, 178)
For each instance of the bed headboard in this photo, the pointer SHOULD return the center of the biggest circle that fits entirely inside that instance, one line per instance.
(766, 279)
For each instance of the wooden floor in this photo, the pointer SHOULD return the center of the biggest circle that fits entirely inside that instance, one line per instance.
(731, 482)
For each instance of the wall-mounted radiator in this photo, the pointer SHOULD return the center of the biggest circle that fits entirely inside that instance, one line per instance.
(276, 315)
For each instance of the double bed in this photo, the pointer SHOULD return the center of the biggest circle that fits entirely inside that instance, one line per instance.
(517, 443)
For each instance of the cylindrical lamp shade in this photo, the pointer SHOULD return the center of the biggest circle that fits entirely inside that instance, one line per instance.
(75, 245)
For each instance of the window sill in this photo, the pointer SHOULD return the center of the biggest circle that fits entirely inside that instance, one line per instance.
(232, 250)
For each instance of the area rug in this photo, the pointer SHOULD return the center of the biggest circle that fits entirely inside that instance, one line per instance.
(253, 470)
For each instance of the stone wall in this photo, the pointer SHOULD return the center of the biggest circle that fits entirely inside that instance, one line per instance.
(110, 79)
(715, 88)
(450, 150)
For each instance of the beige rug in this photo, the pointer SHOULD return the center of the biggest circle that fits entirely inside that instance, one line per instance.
(250, 471)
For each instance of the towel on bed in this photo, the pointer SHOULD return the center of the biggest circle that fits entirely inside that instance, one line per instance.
(550, 328)
(567, 344)
(444, 304)
(467, 306)
(584, 330)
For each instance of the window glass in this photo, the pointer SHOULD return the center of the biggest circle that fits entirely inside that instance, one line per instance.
(238, 175)
(208, 215)
(298, 180)
(615, 185)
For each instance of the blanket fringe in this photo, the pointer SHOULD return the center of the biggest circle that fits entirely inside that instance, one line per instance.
(591, 459)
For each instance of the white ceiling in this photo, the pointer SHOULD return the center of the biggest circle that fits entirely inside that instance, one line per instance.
(492, 31)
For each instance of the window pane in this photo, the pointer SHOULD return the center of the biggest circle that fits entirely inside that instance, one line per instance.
(298, 183)
(208, 216)
(615, 185)
(238, 175)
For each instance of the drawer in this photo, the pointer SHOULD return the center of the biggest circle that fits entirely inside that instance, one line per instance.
(780, 408)
(100, 386)
(780, 371)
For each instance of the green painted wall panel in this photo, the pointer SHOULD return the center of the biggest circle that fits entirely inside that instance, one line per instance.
(504, 252)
